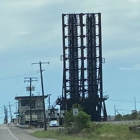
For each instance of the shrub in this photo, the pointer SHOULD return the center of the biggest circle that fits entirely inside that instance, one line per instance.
(75, 124)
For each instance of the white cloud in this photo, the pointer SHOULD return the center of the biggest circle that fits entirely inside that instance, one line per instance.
(134, 0)
(122, 53)
(30, 3)
(134, 68)
(23, 33)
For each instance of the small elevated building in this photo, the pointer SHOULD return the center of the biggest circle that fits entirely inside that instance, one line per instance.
(36, 111)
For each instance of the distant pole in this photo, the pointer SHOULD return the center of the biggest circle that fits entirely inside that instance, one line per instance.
(30, 101)
(40, 65)
(115, 111)
(10, 111)
(49, 108)
(49, 101)
(135, 103)
(6, 115)
(30, 79)
(16, 105)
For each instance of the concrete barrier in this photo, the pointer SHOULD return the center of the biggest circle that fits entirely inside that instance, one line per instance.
(23, 126)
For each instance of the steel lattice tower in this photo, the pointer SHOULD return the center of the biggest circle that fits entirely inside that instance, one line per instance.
(82, 64)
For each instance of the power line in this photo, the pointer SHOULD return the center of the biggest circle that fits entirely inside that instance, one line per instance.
(16, 76)
(121, 100)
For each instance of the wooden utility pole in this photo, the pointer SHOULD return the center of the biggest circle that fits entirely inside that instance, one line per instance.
(49, 101)
(40, 65)
(10, 111)
(30, 79)
(135, 104)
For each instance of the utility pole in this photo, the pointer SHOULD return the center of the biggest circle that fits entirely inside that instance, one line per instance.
(6, 115)
(135, 104)
(10, 111)
(49, 102)
(40, 65)
(115, 111)
(49, 110)
(30, 79)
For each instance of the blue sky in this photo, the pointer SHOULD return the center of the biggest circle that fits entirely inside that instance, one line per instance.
(30, 31)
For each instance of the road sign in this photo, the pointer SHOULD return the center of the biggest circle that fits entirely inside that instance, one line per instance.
(75, 111)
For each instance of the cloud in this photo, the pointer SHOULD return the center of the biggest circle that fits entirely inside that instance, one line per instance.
(123, 22)
(30, 3)
(122, 53)
(23, 33)
(134, 0)
(134, 68)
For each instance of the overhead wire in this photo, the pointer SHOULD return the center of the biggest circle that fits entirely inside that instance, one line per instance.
(122, 100)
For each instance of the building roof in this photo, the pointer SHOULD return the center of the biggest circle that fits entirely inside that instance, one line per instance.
(27, 97)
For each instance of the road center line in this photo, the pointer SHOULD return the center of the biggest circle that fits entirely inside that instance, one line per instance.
(12, 134)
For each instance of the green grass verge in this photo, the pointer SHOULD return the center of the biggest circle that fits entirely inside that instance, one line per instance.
(95, 132)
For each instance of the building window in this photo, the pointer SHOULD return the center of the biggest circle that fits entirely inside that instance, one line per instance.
(25, 103)
(33, 104)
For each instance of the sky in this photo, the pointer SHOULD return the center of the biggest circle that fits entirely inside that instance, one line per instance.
(31, 31)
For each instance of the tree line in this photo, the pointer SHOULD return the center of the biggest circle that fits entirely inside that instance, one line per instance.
(133, 116)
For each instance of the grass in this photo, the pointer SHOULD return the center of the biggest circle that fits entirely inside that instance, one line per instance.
(95, 132)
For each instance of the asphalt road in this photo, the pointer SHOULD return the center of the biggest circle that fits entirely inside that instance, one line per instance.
(5, 133)
(11, 132)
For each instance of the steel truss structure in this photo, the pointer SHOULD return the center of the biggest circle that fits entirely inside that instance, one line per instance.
(82, 64)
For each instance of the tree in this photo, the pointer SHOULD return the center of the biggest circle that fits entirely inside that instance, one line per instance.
(134, 115)
(127, 117)
(75, 124)
(118, 117)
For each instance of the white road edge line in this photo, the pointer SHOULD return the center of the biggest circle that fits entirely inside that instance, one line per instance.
(12, 134)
